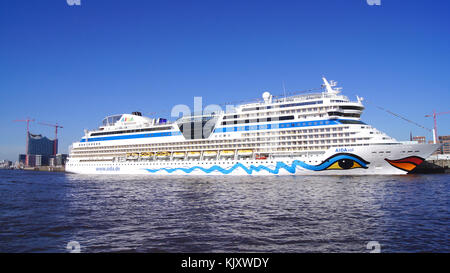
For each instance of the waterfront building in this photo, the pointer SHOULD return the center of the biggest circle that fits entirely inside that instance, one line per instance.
(5, 164)
(444, 148)
(445, 141)
(41, 145)
(32, 161)
(22, 159)
(61, 159)
(40, 150)
(420, 139)
(58, 160)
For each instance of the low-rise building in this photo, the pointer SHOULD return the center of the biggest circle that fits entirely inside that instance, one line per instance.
(445, 141)
(420, 139)
(445, 148)
(5, 164)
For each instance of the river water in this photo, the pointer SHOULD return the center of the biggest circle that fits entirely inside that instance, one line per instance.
(43, 212)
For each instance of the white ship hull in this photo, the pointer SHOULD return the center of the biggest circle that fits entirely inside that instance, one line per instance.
(370, 160)
(310, 134)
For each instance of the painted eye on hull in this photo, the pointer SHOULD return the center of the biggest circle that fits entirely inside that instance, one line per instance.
(344, 161)
(344, 164)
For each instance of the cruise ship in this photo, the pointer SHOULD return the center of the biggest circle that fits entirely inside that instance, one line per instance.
(304, 134)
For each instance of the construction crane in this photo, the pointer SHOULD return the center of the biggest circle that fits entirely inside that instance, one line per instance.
(27, 120)
(55, 144)
(434, 115)
(401, 117)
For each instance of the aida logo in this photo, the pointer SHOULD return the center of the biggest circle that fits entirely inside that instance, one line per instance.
(344, 150)
(125, 119)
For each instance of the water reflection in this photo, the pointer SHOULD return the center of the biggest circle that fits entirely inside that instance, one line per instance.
(227, 214)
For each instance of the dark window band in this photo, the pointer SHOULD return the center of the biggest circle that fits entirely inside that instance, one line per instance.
(351, 107)
(344, 121)
(344, 114)
(256, 120)
(282, 105)
(132, 131)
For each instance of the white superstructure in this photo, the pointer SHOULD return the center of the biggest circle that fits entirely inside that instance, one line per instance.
(303, 135)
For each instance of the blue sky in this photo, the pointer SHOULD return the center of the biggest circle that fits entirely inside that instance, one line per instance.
(76, 64)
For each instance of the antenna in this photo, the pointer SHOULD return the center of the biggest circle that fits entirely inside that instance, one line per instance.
(284, 90)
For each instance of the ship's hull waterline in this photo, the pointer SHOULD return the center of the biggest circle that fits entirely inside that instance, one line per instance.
(363, 160)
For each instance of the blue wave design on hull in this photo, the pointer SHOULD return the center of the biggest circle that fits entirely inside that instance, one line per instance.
(249, 170)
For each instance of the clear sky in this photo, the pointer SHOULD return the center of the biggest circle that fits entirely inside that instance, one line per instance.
(76, 64)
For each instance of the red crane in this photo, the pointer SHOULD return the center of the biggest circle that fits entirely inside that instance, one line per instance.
(27, 120)
(55, 145)
(434, 115)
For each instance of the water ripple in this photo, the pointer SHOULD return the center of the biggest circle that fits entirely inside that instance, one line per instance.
(42, 212)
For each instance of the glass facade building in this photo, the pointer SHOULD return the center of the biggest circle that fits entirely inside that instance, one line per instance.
(22, 158)
(40, 145)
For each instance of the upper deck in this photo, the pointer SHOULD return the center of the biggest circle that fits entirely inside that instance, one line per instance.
(328, 104)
